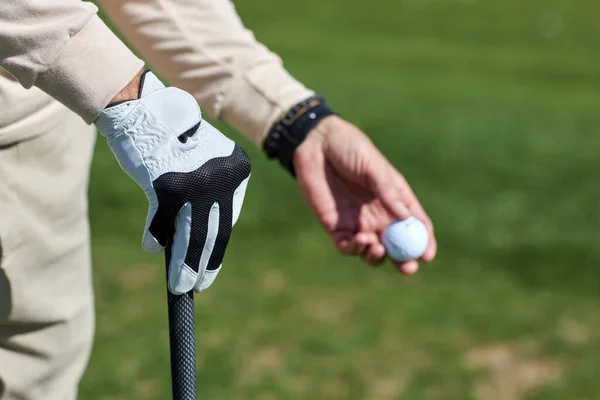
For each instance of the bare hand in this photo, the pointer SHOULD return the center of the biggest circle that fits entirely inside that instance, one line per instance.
(355, 192)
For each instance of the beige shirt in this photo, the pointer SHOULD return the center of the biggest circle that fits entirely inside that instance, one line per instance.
(64, 49)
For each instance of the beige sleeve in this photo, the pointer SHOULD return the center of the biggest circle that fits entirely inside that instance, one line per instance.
(64, 48)
(203, 47)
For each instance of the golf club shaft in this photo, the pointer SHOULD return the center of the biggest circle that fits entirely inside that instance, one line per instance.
(182, 343)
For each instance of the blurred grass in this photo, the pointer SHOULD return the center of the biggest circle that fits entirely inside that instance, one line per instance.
(490, 109)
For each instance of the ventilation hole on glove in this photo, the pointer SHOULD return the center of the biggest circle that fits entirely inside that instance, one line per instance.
(189, 133)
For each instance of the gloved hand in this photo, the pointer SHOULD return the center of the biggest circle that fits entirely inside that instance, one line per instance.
(194, 178)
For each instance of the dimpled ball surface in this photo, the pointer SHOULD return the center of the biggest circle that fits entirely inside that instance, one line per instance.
(406, 240)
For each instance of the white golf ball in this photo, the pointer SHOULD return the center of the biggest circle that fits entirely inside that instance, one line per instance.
(406, 240)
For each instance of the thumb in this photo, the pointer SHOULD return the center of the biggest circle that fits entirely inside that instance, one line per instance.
(390, 195)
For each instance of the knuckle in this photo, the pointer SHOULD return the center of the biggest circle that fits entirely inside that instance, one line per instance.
(345, 247)
(216, 177)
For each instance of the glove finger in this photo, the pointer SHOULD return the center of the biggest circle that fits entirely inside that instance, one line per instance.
(151, 243)
(201, 242)
(193, 242)
(181, 276)
(196, 232)
(222, 239)
(205, 280)
(160, 223)
(238, 199)
(218, 246)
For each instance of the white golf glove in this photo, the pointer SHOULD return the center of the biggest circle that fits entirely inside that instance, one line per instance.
(194, 178)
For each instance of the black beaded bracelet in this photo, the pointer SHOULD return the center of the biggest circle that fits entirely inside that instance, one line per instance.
(292, 128)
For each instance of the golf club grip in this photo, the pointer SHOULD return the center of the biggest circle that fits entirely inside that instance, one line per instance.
(182, 342)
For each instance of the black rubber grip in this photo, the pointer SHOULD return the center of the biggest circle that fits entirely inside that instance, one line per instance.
(182, 342)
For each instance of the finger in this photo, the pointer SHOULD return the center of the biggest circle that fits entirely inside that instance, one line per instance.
(346, 243)
(407, 267)
(357, 244)
(223, 234)
(366, 238)
(217, 237)
(193, 242)
(418, 211)
(390, 195)
(374, 255)
(431, 250)
(181, 276)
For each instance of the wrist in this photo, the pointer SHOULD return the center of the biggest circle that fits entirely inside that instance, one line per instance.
(292, 128)
(131, 91)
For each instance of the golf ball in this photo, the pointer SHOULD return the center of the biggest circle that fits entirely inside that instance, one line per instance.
(406, 240)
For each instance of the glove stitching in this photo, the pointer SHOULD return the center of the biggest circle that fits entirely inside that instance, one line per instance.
(149, 144)
(149, 123)
(144, 163)
(165, 164)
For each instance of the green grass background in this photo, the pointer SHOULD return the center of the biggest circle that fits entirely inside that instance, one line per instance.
(491, 109)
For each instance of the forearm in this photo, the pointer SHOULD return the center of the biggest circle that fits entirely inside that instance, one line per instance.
(63, 48)
(203, 47)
